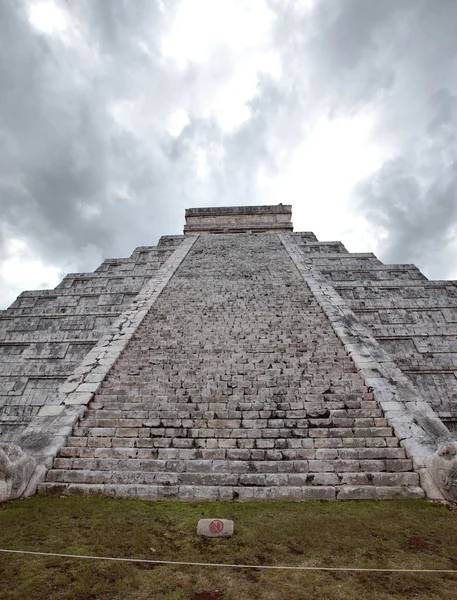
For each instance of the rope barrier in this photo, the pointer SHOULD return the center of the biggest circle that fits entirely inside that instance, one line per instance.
(225, 565)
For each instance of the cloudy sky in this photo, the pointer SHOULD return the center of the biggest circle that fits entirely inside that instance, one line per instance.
(116, 115)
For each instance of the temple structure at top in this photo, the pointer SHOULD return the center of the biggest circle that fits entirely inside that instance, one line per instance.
(239, 219)
(227, 365)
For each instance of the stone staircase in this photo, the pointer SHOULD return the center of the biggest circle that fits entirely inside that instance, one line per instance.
(235, 386)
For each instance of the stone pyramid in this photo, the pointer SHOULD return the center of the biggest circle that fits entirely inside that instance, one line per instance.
(240, 361)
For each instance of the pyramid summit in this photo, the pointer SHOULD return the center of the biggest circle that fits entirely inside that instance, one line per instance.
(238, 361)
(238, 219)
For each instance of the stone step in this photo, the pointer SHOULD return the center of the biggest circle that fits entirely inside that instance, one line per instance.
(309, 350)
(342, 373)
(253, 430)
(183, 412)
(313, 405)
(231, 478)
(227, 443)
(240, 463)
(110, 427)
(86, 452)
(312, 410)
(195, 393)
(238, 493)
(135, 366)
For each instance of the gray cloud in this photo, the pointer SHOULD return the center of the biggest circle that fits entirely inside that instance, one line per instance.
(397, 60)
(413, 197)
(70, 174)
(89, 170)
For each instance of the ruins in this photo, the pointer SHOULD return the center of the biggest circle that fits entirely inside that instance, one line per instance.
(238, 361)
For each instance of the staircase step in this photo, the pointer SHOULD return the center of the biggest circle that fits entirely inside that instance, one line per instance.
(229, 493)
(75, 452)
(230, 476)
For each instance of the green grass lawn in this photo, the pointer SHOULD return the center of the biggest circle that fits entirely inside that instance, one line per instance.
(395, 534)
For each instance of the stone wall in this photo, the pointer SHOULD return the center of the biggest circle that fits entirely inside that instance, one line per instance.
(45, 334)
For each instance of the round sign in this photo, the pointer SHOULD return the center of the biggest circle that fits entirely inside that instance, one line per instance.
(216, 526)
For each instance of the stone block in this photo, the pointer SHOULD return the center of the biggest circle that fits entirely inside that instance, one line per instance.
(51, 410)
(318, 493)
(198, 493)
(212, 528)
(379, 493)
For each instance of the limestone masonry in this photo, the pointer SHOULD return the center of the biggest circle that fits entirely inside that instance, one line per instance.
(240, 361)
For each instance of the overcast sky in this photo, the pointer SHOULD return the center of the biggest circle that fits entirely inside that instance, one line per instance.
(116, 115)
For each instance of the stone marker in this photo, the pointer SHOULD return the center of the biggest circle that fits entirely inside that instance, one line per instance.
(215, 528)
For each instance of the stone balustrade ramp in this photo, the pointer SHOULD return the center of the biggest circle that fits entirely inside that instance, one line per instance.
(234, 387)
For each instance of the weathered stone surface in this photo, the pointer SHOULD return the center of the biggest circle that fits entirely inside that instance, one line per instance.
(16, 468)
(443, 469)
(212, 528)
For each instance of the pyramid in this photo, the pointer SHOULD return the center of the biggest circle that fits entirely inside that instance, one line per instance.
(239, 361)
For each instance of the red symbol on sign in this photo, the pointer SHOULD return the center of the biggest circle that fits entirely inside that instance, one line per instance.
(216, 526)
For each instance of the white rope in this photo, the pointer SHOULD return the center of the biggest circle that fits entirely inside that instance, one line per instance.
(230, 566)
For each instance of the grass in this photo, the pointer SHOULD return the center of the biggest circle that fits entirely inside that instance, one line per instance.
(395, 534)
